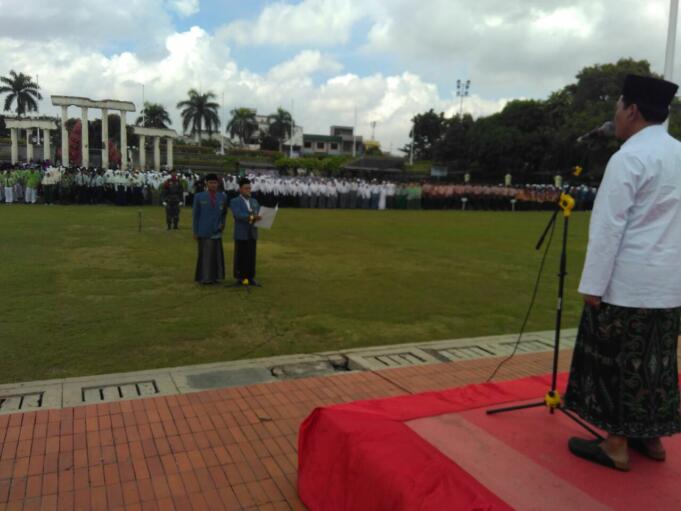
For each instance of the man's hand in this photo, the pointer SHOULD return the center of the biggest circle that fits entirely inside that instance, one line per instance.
(257, 218)
(196, 238)
(593, 301)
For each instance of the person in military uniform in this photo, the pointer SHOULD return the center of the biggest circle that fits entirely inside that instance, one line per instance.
(171, 195)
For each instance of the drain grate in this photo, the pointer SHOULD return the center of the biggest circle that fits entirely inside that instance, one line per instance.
(399, 359)
(21, 402)
(389, 359)
(531, 346)
(118, 391)
(467, 353)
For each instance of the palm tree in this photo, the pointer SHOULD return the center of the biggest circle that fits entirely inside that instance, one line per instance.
(22, 89)
(154, 115)
(243, 124)
(281, 125)
(198, 112)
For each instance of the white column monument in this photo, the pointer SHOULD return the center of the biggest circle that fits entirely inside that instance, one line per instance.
(157, 134)
(105, 105)
(15, 145)
(169, 153)
(28, 124)
(47, 147)
(84, 138)
(64, 136)
(124, 142)
(143, 152)
(105, 138)
(157, 153)
(29, 144)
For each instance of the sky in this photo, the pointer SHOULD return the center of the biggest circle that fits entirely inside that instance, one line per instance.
(324, 60)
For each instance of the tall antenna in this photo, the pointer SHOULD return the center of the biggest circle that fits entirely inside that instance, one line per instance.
(373, 130)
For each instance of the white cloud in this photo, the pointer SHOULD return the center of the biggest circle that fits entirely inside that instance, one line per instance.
(185, 7)
(524, 48)
(310, 22)
(507, 49)
(196, 59)
(90, 23)
(304, 64)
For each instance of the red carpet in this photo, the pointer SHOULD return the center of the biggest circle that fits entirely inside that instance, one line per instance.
(440, 451)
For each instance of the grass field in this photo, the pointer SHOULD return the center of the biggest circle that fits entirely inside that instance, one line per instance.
(83, 292)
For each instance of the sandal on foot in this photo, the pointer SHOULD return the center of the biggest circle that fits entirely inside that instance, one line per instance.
(639, 445)
(590, 450)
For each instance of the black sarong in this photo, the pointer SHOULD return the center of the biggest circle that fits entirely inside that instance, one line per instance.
(210, 265)
(244, 259)
(624, 375)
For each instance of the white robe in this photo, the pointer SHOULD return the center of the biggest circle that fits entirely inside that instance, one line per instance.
(634, 252)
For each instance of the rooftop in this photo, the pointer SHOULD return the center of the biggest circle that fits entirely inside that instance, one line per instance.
(321, 138)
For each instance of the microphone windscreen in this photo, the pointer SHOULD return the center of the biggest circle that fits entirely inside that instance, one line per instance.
(608, 129)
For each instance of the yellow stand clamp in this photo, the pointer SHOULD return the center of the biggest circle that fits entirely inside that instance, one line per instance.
(552, 399)
(567, 204)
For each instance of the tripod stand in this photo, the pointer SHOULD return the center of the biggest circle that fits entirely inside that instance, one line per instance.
(552, 398)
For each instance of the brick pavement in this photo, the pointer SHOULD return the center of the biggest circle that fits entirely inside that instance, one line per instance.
(233, 449)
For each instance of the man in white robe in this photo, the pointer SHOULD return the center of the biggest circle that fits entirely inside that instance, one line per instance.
(624, 375)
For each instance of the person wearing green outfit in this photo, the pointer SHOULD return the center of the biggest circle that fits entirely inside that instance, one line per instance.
(8, 181)
(32, 182)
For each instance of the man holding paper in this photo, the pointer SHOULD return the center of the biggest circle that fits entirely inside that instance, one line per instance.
(246, 213)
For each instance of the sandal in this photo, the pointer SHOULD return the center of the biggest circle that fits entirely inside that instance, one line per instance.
(590, 450)
(640, 446)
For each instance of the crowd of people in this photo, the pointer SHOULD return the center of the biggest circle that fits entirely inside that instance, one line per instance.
(49, 184)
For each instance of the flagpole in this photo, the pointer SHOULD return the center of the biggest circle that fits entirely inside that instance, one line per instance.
(671, 44)
(224, 118)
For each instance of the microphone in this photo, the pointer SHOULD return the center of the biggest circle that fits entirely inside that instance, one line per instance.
(605, 131)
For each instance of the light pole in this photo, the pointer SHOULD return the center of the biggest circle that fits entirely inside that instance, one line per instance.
(462, 91)
(671, 44)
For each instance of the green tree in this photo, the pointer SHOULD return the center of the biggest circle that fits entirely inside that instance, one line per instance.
(20, 88)
(242, 125)
(534, 139)
(280, 126)
(427, 130)
(199, 113)
(154, 115)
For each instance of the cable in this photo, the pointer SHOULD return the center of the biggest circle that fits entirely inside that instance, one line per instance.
(529, 310)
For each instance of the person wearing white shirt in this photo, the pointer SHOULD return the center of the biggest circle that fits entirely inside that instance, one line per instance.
(624, 376)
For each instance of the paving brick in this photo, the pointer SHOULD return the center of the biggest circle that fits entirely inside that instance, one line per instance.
(233, 448)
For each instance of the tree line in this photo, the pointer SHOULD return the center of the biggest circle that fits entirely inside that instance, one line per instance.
(533, 139)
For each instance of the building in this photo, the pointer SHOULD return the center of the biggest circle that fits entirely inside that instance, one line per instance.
(347, 134)
(382, 167)
(322, 144)
(340, 141)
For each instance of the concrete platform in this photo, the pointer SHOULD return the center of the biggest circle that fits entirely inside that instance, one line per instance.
(60, 393)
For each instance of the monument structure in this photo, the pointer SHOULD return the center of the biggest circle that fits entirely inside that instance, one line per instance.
(85, 104)
(157, 134)
(29, 124)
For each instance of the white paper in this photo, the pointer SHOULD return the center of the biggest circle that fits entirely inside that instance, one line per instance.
(268, 215)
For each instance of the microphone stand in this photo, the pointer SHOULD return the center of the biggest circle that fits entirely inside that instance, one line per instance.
(552, 399)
